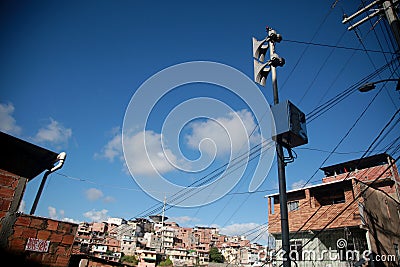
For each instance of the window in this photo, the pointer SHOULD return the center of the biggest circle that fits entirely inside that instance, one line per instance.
(333, 196)
(293, 205)
(296, 250)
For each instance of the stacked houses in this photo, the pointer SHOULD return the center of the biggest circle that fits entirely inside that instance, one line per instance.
(152, 241)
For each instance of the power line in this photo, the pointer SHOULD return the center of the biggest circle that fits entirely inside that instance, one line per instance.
(216, 170)
(320, 69)
(98, 184)
(348, 205)
(341, 47)
(321, 109)
(348, 174)
(242, 203)
(345, 136)
(255, 156)
(370, 146)
(84, 180)
(215, 173)
(376, 35)
(373, 142)
(333, 152)
(306, 48)
(389, 130)
(368, 55)
(177, 198)
(341, 70)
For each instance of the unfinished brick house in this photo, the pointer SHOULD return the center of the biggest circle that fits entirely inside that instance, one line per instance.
(28, 240)
(354, 210)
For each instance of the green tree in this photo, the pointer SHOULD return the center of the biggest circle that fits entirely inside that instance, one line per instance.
(167, 262)
(129, 259)
(215, 255)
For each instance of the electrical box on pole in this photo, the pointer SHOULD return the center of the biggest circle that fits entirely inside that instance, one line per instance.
(290, 124)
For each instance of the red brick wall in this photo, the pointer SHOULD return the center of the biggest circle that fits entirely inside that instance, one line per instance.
(17, 228)
(368, 174)
(60, 234)
(308, 206)
(350, 217)
(8, 185)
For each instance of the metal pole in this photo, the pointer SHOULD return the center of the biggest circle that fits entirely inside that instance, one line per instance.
(281, 171)
(393, 20)
(61, 159)
(39, 193)
(162, 225)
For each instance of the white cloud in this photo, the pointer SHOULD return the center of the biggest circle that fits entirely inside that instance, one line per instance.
(22, 206)
(112, 150)
(52, 212)
(7, 122)
(93, 194)
(109, 199)
(185, 220)
(229, 133)
(298, 184)
(238, 229)
(70, 220)
(252, 231)
(54, 133)
(144, 158)
(60, 215)
(97, 216)
(146, 155)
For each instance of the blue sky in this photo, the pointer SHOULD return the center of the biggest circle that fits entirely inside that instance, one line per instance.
(70, 68)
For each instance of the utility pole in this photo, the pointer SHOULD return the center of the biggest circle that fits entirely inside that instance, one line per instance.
(387, 7)
(260, 73)
(393, 20)
(281, 164)
(291, 129)
(162, 224)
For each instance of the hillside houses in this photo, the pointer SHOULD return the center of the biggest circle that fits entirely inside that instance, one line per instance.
(150, 242)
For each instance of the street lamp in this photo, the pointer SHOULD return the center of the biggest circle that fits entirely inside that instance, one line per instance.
(370, 86)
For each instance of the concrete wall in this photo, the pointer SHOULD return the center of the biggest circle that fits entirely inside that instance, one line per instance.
(322, 251)
(382, 220)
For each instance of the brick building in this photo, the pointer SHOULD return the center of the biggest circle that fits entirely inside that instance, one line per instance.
(27, 240)
(355, 209)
